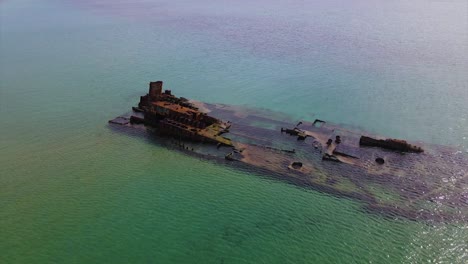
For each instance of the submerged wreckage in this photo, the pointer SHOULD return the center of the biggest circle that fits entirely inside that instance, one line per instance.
(389, 176)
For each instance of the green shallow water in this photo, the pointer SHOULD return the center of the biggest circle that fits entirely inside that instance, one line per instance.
(74, 191)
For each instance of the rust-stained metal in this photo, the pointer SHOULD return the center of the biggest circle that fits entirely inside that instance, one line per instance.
(389, 176)
(393, 144)
(179, 118)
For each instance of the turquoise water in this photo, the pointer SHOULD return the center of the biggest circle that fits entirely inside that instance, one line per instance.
(73, 191)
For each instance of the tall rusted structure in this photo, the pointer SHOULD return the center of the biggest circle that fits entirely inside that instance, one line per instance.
(179, 118)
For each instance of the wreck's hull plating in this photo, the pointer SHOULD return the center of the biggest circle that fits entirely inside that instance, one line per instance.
(431, 185)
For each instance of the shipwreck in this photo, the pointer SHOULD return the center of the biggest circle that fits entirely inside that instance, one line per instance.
(389, 176)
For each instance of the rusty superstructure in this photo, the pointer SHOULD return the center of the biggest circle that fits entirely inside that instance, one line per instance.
(390, 176)
(177, 117)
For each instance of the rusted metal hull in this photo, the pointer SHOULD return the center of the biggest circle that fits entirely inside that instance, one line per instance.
(432, 185)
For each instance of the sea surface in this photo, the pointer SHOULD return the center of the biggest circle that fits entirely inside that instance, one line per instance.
(74, 191)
